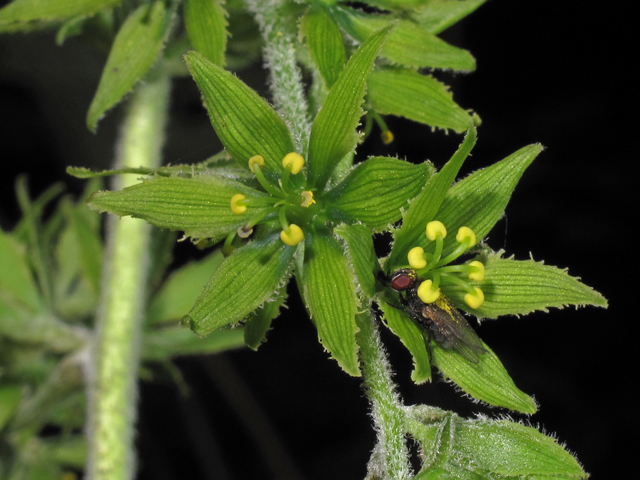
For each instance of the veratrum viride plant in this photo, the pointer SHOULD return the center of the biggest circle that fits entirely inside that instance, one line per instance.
(285, 202)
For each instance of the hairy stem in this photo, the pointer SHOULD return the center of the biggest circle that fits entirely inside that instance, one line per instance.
(390, 459)
(116, 350)
(278, 31)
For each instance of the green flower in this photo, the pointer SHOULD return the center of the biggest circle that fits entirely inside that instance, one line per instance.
(433, 282)
(278, 210)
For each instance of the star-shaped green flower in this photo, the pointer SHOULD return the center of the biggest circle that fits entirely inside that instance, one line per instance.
(289, 201)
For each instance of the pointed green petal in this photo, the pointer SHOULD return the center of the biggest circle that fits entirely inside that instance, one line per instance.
(487, 380)
(19, 13)
(436, 17)
(421, 98)
(479, 200)
(362, 255)
(206, 25)
(135, 49)
(245, 123)
(245, 280)
(411, 336)
(325, 43)
(513, 287)
(199, 206)
(333, 133)
(424, 208)
(376, 191)
(408, 44)
(180, 291)
(330, 296)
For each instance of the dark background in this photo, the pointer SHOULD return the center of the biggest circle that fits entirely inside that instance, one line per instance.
(552, 72)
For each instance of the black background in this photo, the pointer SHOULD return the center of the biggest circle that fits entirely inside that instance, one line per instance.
(558, 73)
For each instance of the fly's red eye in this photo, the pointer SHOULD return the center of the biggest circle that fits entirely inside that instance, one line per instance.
(402, 281)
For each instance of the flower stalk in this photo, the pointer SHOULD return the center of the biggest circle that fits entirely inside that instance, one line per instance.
(391, 460)
(285, 77)
(112, 383)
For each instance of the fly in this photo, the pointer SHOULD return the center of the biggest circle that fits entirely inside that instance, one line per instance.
(444, 322)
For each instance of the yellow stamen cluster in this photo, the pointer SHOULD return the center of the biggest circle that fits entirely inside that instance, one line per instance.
(436, 270)
(416, 258)
(282, 199)
(294, 162)
(427, 292)
(293, 237)
(387, 137)
(236, 206)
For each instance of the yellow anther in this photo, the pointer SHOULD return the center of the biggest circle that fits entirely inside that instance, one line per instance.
(236, 206)
(307, 198)
(256, 160)
(474, 300)
(478, 274)
(465, 233)
(435, 227)
(416, 258)
(387, 137)
(294, 160)
(427, 293)
(294, 236)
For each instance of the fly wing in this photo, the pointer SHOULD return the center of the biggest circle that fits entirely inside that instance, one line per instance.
(452, 331)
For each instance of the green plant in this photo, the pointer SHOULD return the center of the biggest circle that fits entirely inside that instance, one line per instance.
(287, 201)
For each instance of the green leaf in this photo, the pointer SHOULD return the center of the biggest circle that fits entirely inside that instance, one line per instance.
(376, 191)
(89, 244)
(510, 449)
(180, 291)
(244, 281)
(18, 14)
(487, 380)
(206, 24)
(330, 296)
(259, 322)
(361, 254)
(408, 44)
(135, 49)
(169, 342)
(200, 206)
(425, 206)
(325, 43)
(10, 396)
(245, 123)
(421, 98)
(333, 132)
(455, 447)
(438, 16)
(411, 336)
(513, 287)
(17, 285)
(479, 200)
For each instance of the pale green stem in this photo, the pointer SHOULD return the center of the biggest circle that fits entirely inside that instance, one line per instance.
(278, 31)
(391, 456)
(112, 385)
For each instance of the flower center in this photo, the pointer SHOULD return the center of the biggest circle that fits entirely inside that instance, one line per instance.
(283, 199)
(434, 270)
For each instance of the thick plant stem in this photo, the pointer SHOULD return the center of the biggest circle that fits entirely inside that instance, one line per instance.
(278, 31)
(115, 355)
(390, 460)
